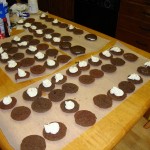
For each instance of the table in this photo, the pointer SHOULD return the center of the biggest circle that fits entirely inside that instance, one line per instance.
(108, 131)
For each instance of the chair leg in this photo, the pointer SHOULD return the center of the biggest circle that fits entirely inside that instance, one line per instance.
(147, 125)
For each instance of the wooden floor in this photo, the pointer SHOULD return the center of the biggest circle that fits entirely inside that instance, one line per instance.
(136, 139)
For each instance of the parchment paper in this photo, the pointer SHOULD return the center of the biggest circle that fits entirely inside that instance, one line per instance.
(15, 131)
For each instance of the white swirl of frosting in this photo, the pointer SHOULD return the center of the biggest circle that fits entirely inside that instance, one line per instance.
(52, 128)
(32, 48)
(147, 64)
(39, 55)
(27, 24)
(134, 76)
(32, 92)
(94, 59)
(73, 69)
(12, 64)
(56, 39)
(39, 31)
(50, 62)
(33, 27)
(4, 55)
(21, 73)
(106, 53)
(7, 100)
(83, 64)
(16, 38)
(58, 77)
(55, 21)
(23, 43)
(71, 27)
(46, 83)
(43, 15)
(1, 50)
(116, 91)
(48, 36)
(20, 21)
(115, 49)
(69, 105)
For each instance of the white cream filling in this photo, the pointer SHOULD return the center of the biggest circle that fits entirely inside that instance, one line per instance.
(43, 15)
(58, 77)
(56, 39)
(94, 59)
(50, 62)
(71, 27)
(32, 92)
(32, 48)
(39, 55)
(27, 25)
(134, 77)
(106, 53)
(39, 31)
(1, 50)
(55, 21)
(33, 27)
(83, 64)
(20, 21)
(46, 83)
(7, 100)
(4, 55)
(69, 105)
(73, 69)
(21, 73)
(48, 36)
(115, 49)
(24, 43)
(147, 64)
(11, 64)
(16, 38)
(116, 91)
(52, 128)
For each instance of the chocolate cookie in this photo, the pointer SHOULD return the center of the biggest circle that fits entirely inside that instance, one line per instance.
(8, 106)
(28, 98)
(59, 135)
(130, 57)
(65, 45)
(117, 98)
(117, 61)
(116, 52)
(18, 56)
(69, 106)
(52, 52)
(70, 88)
(66, 38)
(144, 70)
(20, 113)
(84, 68)
(37, 69)
(12, 50)
(135, 80)
(55, 34)
(72, 74)
(41, 105)
(91, 37)
(102, 101)
(78, 31)
(7, 68)
(26, 62)
(63, 58)
(94, 63)
(48, 31)
(103, 56)
(77, 50)
(56, 95)
(6, 45)
(29, 20)
(108, 68)
(96, 73)
(51, 66)
(34, 42)
(5, 60)
(126, 86)
(33, 142)
(46, 89)
(40, 59)
(42, 46)
(86, 79)
(49, 19)
(27, 38)
(63, 25)
(60, 81)
(17, 77)
(85, 118)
